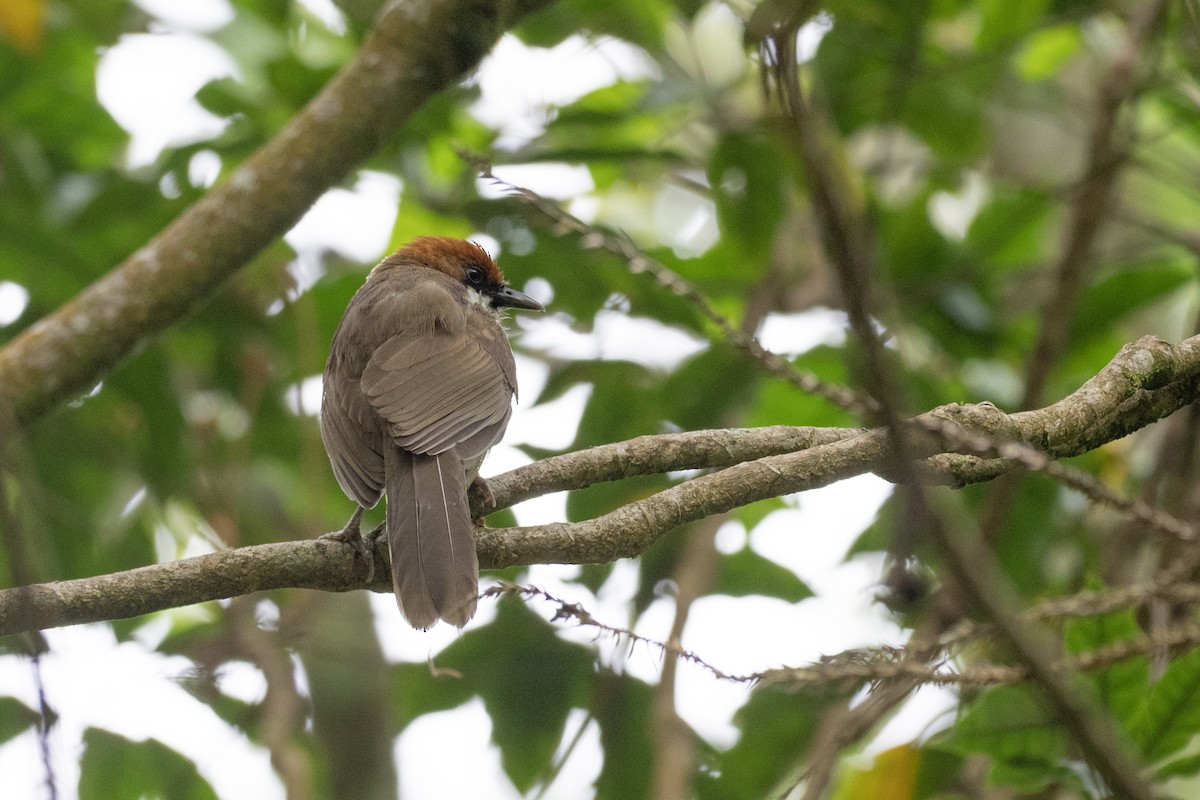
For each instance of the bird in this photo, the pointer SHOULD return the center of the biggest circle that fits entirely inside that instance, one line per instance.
(417, 389)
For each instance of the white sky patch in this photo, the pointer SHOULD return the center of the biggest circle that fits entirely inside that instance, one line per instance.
(426, 772)
(685, 220)
(809, 37)
(95, 682)
(615, 337)
(148, 83)
(355, 222)
(242, 681)
(953, 213)
(552, 179)
(925, 712)
(200, 544)
(739, 634)
(304, 398)
(14, 299)
(539, 289)
(204, 167)
(813, 538)
(197, 16)
(579, 772)
(731, 537)
(794, 334)
(327, 13)
(520, 85)
(550, 425)
(134, 502)
(710, 48)
(400, 642)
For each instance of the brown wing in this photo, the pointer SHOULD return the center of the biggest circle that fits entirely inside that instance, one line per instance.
(352, 439)
(440, 389)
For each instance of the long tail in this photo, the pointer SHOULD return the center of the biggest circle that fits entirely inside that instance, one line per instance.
(435, 571)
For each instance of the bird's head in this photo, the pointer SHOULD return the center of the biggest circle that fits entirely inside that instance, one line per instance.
(465, 262)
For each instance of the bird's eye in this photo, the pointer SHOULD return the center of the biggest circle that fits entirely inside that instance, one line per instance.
(474, 275)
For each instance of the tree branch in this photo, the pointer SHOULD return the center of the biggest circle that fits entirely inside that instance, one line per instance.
(417, 49)
(1105, 157)
(1144, 382)
(651, 455)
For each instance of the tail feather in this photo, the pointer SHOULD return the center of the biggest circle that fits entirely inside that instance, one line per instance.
(435, 571)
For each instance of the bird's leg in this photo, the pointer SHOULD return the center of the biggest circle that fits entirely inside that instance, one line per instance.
(482, 493)
(352, 529)
(351, 534)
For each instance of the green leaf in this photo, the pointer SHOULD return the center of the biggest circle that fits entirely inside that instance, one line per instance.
(1171, 714)
(1046, 51)
(1010, 232)
(747, 173)
(621, 705)
(747, 573)
(755, 513)
(708, 387)
(1004, 22)
(416, 690)
(780, 403)
(1012, 726)
(623, 404)
(939, 773)
(1023, 549)
(115, 768)
(15, 718)
(635, 21)
(1122, 687)
(1186, 767)
(611, 129)
(776, 730)
(1127, 290)
(529, 679)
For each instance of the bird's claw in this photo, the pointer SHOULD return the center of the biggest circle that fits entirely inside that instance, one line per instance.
(351, 534)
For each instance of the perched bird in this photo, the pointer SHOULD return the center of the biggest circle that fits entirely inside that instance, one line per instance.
(418, 387)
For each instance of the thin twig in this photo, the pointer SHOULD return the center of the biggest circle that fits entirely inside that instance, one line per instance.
(874, 665)
(576, 613)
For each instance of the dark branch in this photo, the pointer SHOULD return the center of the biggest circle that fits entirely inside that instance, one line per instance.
(417, 49)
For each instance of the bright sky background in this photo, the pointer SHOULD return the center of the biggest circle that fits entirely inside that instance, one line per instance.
(147, 82)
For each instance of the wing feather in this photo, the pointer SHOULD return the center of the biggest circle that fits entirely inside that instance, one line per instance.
(354, 451)
(440, 389)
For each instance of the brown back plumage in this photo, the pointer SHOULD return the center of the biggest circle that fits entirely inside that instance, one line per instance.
(418, 387)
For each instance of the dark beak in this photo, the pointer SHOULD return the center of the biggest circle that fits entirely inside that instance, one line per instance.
(507, 296)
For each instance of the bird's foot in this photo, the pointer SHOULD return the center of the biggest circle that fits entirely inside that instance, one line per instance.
(351, 534)
(481, 493)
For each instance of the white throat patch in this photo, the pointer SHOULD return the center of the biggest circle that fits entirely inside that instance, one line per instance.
(478, 298)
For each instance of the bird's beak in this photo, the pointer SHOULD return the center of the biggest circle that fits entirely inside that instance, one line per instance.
(508, 296)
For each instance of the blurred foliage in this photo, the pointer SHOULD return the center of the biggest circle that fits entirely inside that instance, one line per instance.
(964, 121)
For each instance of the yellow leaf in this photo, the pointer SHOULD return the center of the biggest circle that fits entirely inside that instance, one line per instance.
(21, 22)
(893, 776)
